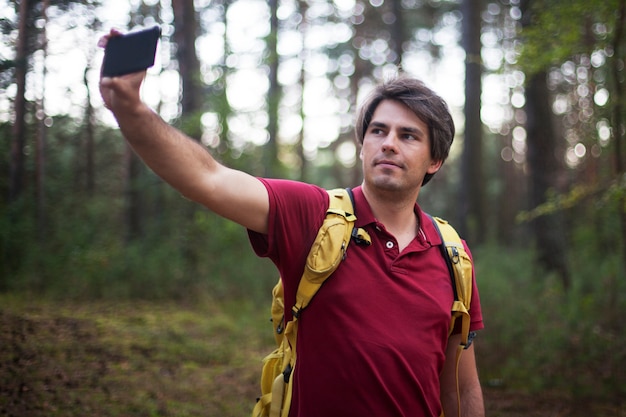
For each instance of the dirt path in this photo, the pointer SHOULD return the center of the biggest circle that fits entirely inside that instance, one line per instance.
(509, 403)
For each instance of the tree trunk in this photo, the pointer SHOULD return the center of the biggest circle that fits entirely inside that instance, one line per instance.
(188, 64)
(132, 221)
(270, 151)
(16, 167)
(90, 175)
(544, 171)
(303, 27)
(509, 201)
(472, 224)
(42, 131)
(544, 167)
(396, 29)
(619, 128)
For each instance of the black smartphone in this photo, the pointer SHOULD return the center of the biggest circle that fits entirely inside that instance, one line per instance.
(131, 52)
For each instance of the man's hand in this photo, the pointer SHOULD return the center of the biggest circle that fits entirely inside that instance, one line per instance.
(181, 161)
(121, 94)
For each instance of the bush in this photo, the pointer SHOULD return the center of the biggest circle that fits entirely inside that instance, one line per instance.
(539, 337)
(85, 255)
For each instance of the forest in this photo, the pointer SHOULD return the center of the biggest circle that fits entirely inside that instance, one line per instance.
(112, 283)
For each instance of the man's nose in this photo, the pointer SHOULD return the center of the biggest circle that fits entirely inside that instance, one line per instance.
(390, 144)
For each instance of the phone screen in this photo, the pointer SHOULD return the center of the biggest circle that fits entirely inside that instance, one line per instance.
(131, 52)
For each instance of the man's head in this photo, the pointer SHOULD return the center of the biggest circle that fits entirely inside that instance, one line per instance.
(422, 101)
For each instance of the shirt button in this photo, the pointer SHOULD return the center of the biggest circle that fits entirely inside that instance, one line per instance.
(389, 244)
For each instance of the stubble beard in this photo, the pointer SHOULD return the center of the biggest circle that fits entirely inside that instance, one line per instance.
(390, 184)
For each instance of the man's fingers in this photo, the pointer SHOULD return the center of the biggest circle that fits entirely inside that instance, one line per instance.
(102, 42)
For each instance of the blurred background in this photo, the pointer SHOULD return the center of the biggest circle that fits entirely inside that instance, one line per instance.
(536, 179)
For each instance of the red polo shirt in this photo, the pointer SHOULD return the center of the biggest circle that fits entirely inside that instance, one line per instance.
(372, 342)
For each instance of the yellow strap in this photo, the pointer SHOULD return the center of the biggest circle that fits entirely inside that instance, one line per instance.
(462, 270)
(462, 276)
(288, 392)
(278, 392)
(324, 257)
(329, 247)
(261, 404)
(459, 351)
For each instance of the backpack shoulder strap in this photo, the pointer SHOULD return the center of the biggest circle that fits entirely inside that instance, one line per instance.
(329, 247)
(460, 268)
(325, 255)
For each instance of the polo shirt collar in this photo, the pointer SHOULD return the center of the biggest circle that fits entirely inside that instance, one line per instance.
(365, 216)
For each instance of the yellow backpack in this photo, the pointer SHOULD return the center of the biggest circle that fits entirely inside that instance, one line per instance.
(327, 252)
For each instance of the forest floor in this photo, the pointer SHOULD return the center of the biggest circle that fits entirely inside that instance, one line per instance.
(164, 359)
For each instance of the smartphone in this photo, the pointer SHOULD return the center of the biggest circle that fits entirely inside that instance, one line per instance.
(131, 52)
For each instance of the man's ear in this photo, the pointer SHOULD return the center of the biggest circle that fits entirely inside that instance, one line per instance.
(434, 166)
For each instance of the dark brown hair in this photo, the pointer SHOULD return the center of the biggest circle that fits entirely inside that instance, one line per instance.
(426, 105)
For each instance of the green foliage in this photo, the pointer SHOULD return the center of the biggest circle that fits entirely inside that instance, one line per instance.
(78, 247)
(184, 252)
(539, 337)
(560, 29)
(556, 203)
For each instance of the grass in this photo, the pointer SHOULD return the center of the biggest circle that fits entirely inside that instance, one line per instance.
(166, 359)
(139, 359)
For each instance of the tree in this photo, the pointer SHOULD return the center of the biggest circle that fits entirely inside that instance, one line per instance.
(472, 222)
(89, 122)
(42, 135)
(273, 94)
(22, 53)
(619, 108)
(185, 34)
(398, 36)
(576, 45)
(545, 169)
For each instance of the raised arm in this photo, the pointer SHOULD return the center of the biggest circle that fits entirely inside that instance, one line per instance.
(182, 162)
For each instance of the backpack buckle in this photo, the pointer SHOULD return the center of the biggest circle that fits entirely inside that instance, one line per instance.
(281, 326)
(287, 373)
(361, 237)
(470, 339)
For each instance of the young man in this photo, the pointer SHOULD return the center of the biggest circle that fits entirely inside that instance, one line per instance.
(374, 341)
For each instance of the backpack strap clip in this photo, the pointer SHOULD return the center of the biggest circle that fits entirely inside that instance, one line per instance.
(361, 237)
(470, 338)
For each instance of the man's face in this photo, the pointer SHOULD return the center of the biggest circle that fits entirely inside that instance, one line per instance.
(396, 149)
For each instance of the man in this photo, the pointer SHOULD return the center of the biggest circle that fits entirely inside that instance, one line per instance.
(374, 341)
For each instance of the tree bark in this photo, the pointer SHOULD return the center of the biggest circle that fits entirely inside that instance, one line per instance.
(619, 128)
(132, 212)
(397, 31)
(16, 167)
(472, 223)
(544, 167)
(270, 151)
(90, 175)
(42, 131)
(185, 34)
(544, 171)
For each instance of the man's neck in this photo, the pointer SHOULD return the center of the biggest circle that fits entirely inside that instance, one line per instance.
(396, 211)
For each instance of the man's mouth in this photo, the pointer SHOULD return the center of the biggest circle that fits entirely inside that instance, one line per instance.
(387, 163)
